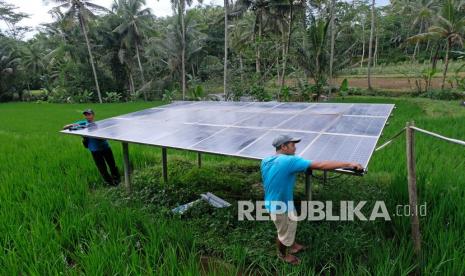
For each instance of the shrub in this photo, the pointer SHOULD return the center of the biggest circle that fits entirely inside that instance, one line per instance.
(444, 94)
(112, 97)
(259, 93)
(197, 93)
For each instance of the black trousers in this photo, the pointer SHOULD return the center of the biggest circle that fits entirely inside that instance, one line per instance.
(103, 158)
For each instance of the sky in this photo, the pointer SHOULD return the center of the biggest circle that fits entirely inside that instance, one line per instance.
(38, 10)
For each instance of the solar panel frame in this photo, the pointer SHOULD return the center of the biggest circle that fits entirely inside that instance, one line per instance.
(248, 111)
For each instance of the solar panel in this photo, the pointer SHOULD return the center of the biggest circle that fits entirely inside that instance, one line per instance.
(329, 131)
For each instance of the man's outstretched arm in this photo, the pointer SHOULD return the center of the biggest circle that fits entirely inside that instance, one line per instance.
(68, 126)
(332, 165)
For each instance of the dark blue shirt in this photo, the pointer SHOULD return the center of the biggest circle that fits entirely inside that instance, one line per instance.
(95, 144)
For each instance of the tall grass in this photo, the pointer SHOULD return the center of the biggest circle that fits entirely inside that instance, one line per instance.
(56, 216)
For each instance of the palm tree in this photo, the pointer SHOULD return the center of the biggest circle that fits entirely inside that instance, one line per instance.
(313, 58)
(179, 6)
(260, 8)
(225, 72)
(333, 30)
(449, 25)
(82, 10)
(32, 61)
(421, 11)
(134, 22)
(168, 48)
(285, 17)
(9, 62)
(241, 35)
(370, 44)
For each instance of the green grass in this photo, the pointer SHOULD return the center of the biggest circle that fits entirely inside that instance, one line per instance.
(56, 216)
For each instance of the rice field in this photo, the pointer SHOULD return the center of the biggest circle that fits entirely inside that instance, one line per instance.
(57, 216)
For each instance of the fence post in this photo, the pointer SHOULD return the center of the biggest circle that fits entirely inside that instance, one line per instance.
(412, 189)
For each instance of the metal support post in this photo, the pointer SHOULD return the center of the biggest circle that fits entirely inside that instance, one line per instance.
(164, 164)
(126, 165)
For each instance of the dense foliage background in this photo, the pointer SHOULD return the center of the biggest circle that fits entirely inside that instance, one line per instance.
(90, 53)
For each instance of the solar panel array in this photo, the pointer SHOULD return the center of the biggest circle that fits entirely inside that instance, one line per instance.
(329, 131)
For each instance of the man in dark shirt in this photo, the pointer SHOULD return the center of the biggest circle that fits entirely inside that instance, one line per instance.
(100, 149)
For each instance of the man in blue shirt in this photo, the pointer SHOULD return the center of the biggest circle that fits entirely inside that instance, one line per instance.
(100, 150)
(279, 176)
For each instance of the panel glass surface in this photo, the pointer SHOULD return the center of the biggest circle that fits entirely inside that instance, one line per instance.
(327, 108)
(230, 140)
(226, 118)
(267, 120)
(142, 113)
(345, 132)
(220, 105)
(291, 107)
(370, 126)
(370, 109)
(260, 106)
(99, 125)
(309, 122)
(341, 148)
(187, 136)
(263, 147)
(137, 132)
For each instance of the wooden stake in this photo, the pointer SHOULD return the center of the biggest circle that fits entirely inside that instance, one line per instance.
(199, 159)
(412, 189)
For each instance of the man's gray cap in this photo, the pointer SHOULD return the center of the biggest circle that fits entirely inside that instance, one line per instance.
(282, 139)
(88, 111)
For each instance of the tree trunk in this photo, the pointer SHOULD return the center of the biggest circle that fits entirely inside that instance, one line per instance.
(415, 50)
(433, 63)
(375, 54)
(131, 84)
(225, 72)
(183, 54)
(286, 47)
(257, 56)
(331, 58)
(241, 64)
(370, 44)
(446, 63)
(304, 34)
(141, 71)
(91, 58)
(363, 43)
(278, 73)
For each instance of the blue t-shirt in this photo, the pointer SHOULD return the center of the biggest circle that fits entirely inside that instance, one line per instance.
(279, 176)
(95, 144)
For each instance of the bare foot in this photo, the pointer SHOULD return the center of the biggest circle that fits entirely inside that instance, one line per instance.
(296, 248)
(290, 259)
